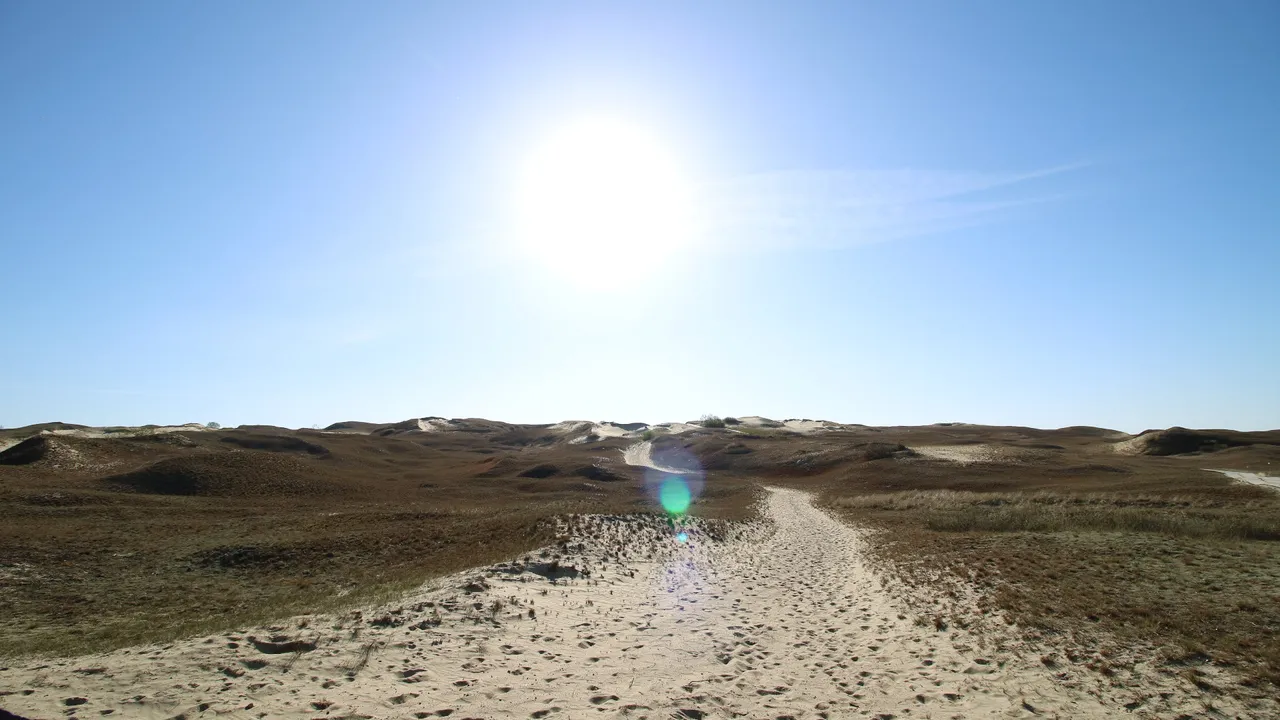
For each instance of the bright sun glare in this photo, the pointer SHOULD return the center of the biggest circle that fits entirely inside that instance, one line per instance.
(604, 201)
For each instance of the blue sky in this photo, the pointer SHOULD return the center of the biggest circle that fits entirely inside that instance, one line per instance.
(295, 213)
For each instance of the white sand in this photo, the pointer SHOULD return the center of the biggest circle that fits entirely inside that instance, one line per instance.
(434, 424)
(608, 429)
(756, 421)
(675, 428)
(1252, 478)
(587, 431)
(978, 453)
(125, 431)
(799, 426)
(641, 455)
(962, 454)
(784, 619)
(571, 426)
(809, 427)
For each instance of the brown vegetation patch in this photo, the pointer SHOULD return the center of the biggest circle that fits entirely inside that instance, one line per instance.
(884, 451)
(1097, 557)
(600, 473)
(26, 452)
(545, 470)
(238, 474)
(276, 443)
(1178, 441)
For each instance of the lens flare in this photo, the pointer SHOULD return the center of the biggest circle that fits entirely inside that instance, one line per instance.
(674, 495)
(683, 537)
(673, 477)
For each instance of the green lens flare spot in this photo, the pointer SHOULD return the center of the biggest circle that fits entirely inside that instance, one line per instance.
(674, 495)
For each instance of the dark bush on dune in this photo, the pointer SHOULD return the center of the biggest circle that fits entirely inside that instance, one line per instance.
(1089, 469)
(229, 474)
(524, 437)
(545, 470)
(882, 451)
(277, 443)
(25, 452)
(354, 426)
(1179, 441)
(600, 474)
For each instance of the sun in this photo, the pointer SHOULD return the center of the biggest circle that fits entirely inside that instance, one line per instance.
(603, 201)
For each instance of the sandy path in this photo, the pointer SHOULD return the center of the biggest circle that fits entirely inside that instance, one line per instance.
(781, 619)
(1251, 478)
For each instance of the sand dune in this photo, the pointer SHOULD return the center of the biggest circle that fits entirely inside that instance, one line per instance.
(779, 618)
(641, 455)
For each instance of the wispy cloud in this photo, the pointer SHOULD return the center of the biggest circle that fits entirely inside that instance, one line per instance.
(843, 208)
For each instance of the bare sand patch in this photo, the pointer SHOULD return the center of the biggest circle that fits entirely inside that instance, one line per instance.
(978, 453)
(129, 431)
(809, 427)
(1251, 478)
(641, 455)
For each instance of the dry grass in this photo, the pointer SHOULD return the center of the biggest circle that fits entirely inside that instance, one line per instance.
(92, 578)
(1191, 517)
(1195, 575)
(147, 541)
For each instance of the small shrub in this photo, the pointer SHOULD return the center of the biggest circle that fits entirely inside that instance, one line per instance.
(212, 425)
(882, 451)
(732, 421)
(648, 435)
(711, 421)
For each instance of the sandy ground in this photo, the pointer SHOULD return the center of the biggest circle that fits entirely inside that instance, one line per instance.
(809, 427)
(963, 454)
(983, 453)
(1252, 478)
(775, 619)
(676, 428)
(99, 433)
(799, 426)
(641, 455)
